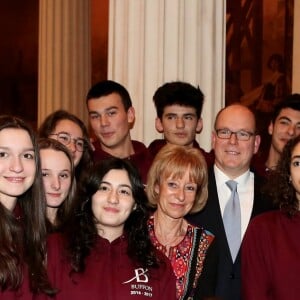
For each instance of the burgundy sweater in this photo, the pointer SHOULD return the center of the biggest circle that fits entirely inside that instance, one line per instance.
(110, 274)
(141, 158)
(271, 258)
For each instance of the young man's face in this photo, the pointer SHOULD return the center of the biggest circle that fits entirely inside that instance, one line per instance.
(285, 127)
(109, 120)
(179, 124)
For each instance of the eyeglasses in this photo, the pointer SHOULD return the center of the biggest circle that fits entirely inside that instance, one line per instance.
(65, 138)
(241, 135)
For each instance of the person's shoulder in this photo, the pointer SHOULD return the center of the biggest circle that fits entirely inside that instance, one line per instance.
(156, 145)
(98, 153)
(258, 164)
(141, 152)
(208, 156)
(266, 218)
(138, 146)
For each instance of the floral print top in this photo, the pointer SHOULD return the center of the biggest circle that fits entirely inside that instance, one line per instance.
(181, 256)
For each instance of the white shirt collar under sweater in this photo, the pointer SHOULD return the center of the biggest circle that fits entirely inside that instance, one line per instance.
(245, 189)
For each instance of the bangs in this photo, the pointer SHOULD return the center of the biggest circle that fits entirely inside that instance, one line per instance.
(177, 166)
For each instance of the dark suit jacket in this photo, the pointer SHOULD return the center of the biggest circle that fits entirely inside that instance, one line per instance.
(210, 218)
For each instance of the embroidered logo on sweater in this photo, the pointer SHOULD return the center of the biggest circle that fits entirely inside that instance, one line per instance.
(140, 276)
(139, 288)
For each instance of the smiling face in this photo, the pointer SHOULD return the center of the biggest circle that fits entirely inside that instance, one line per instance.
(113, 203)
(295, 170)
(73, 129)
(233, 156)
(17, 165)
(179, 124)
(56, 171)
(176, 196)
(285, 127)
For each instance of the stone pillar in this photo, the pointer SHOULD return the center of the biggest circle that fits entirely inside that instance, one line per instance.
(64, 56)
(151, 42)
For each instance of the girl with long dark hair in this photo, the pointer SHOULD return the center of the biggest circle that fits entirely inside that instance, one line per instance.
(22, 213)
(109, 253)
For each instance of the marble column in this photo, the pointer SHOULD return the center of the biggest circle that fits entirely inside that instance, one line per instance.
(151, 42)
(64, 56)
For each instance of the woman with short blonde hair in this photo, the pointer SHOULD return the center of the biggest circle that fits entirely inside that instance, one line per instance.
(177, 186)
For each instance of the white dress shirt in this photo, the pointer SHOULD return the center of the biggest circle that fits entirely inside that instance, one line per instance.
(245, 189)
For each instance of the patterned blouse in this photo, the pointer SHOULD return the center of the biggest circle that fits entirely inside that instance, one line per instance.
(186, 258)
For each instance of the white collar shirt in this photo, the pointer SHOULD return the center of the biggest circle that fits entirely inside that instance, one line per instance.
(245, 189)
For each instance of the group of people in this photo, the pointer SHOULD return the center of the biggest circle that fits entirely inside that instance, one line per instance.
(104, 216)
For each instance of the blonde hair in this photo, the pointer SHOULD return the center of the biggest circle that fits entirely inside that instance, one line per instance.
(173, 161)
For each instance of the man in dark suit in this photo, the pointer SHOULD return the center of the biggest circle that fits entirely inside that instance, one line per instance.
(234, 142)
